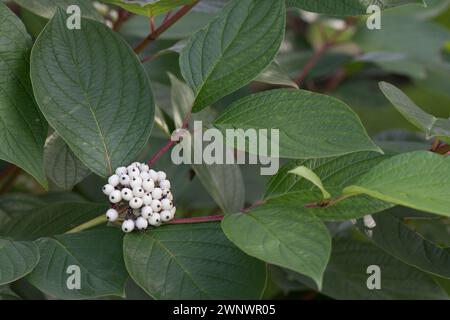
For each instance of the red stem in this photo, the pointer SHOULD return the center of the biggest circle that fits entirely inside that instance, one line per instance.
(161, 152)
(166, 25)
(197, 220)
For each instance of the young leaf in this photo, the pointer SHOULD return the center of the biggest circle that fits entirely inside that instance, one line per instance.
(224, 183)
(192, 262)
(275, 75)
(22, 127)
(328, 127)
(347, 7)
(233, 49)
(61, 165)
(418, 180)
(287, 236)
(149, 8)
(182, 99)
(47, 8)
(96, 253)
(432, 126)
(93, 90)
(396, 238)
(309, 175)
(17, 259)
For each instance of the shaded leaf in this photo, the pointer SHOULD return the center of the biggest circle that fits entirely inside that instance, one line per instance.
(149, 8)
(17, 259)
(47, 8)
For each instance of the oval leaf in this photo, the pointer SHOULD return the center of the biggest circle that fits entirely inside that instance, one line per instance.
(283, 235)
(149, 8)
(310, 125)
(226, 56)
(93, 90)
(22, 127)
(17, 259)
(96, 253)
(47, 8)
(192, 262)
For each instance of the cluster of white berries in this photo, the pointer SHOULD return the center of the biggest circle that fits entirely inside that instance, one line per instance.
(142, 195)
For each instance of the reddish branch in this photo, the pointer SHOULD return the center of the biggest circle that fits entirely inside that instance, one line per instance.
(164, 26)
(197, 220)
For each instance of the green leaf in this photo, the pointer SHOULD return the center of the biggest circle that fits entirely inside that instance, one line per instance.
(309, 175)
(328, 126)
(97, 253)
(27, 218)
(287, 236)
(335, 172)
(432, 126)
(182, 100)
(22, 127)
(226, 56)
(17, 259)
(149, 8)
(418, 180)
(62, 166)
(192, 262)
(93, 90)
(347, 7)
(47, 8)
(275, 75)
(224, 183)
(346, 275)
(395, 237)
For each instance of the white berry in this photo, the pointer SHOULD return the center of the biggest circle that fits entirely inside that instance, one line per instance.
(115, 196)
(136, 164)
(144, 167)
(172, 211)
(169, 196)
(125, 180)
(153, 175)
(138, 192)
(141, 223)
(165, 216)
(112, 215)
(136, 182)
(147, 199)
(166, 204)
(146, 212)
(157, 193)
(164, 184)
(127, 194)
(161, 176)
(156, 205)
(121, 170)
(136, 203)
(148, 185)
(155, 219)
(128, 226)
(133, 172)
(107, 189)
(114, 180)
(144, 175)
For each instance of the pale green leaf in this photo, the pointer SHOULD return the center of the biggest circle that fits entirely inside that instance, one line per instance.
(93, 90)
(182, 100)
(233, 49)
(17, 259)
(22, 128)
(192, 262)
(418, 180)
(310, 125)
(149, 8)
(275, 75)
(309, 175)
(284, 235)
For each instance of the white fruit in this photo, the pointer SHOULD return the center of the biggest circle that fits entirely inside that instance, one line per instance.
(136, 182)
(156, 205)
(164, 184)
(127, 194)
(148, 185)
(128, 226)
(115, 196)
(112, 215)
(161, 176)
(133, 172)
(136, 203)
(155, 220)
(144, 175)
(147, 199)
(146, 212)
(114, 180)
(157, 193)
(141, 223)
(173, 210)
(369, 222)
(144, 167)
(121, 170)
(165, 216)
(138, 192)
(125, 180)
(169, 196)
(153, 175)
(166, 204)
(107, 189)
(136, 164)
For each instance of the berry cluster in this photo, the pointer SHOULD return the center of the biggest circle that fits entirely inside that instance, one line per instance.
(141, 195)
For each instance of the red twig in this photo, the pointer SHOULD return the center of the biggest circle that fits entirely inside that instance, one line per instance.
(124, 16)
(197, 220)
(166, 25)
